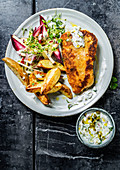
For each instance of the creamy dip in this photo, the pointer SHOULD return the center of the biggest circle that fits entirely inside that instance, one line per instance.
(95, 127)
(77, 37)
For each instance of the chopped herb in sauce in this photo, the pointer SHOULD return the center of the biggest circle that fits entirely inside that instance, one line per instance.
(71, 105)
(95, 127)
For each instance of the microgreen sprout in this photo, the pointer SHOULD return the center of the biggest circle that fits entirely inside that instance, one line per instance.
(24, 30)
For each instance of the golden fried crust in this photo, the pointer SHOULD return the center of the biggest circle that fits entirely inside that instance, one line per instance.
(78, 62)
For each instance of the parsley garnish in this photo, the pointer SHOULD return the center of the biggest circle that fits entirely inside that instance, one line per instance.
(113, 83)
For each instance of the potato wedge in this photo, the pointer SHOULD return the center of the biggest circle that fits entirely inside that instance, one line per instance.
(65, 90)
(39, 75)
(18, 70)
(43, 98)
(50, 80)
(47, 64)
(55, 88)
(32, 79)
(34, 87)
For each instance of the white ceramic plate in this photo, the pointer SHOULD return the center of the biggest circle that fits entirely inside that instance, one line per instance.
(103, 70)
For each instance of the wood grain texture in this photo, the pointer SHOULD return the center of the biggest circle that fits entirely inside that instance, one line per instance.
(57, 146)
(15, 118)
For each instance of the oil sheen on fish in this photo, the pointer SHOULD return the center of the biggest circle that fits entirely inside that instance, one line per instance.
(78, 62)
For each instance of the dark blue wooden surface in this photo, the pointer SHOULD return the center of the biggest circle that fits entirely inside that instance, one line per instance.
(29, 140)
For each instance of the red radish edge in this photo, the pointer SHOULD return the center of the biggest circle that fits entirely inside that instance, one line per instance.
(16, 44)
(43, 28)
(37, 31)
(22, 61)
(57, 55)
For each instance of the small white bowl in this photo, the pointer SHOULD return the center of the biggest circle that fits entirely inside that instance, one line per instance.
(103, 143)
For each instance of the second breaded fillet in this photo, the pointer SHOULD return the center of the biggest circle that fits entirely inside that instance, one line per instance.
(78, 62)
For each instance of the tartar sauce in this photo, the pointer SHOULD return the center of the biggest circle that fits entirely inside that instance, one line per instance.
(77, 37)
(95, 127)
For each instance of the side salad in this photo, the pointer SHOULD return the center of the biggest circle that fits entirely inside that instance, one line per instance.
(43, 42)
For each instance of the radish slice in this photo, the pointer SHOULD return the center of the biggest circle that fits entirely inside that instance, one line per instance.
(57, 55)
(22, 61)
(17, 43)
(37, 31)
(43, 29)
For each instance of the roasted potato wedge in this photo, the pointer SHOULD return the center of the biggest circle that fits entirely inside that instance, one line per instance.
(32, 79)
(55, 88)
(18, 70)
(39, 75)
(34, 87)
(50, 80)
(43, 98)
(47, 64)
(65, 90)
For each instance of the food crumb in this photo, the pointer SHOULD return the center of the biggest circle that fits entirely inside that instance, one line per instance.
(73, 25)
(63, 97)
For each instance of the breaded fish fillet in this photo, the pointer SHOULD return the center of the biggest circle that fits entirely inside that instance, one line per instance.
(78, 62)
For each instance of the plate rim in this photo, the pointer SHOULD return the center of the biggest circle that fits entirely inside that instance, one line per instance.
(77, 110)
